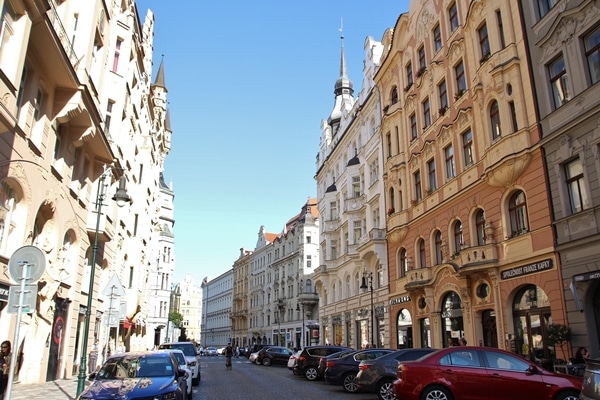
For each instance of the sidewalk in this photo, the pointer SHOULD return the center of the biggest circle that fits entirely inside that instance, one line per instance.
(62, 389)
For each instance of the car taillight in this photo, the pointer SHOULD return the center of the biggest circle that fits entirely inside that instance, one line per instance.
(301, 358)
(400, 370)
(330, 364)
(362, 367)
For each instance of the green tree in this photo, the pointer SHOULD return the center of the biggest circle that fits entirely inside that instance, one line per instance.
(558, 335)
(176, 318)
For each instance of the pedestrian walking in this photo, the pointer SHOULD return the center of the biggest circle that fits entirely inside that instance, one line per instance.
(5, 355)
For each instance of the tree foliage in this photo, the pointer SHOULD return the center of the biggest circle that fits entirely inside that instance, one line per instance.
(176, 318)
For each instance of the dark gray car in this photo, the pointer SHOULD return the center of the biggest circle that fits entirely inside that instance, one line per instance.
(376, 376)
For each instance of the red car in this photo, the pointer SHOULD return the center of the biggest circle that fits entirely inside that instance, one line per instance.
(475, 373)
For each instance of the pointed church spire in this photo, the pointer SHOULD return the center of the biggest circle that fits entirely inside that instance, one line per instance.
(343, 84)
(160, 76)
(343, 90)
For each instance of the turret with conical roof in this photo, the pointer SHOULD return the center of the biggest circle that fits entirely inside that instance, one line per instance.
(344, 91)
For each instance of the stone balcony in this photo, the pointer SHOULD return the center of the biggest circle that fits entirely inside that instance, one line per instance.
(419, 277)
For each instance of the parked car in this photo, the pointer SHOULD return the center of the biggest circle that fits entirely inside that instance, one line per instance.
(343, 370)
(191, 355)
(183, 364)
(377, 376)
(273, 355)
(323, 360)
(307, 362)
(292, 361)
(469, 373)
(590, 389)
(135, 375)
(253, 356)
(243, 351)
(254, 349)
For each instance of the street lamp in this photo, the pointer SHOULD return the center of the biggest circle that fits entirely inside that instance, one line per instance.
(121, 198)
(298, 309)
(369, 276)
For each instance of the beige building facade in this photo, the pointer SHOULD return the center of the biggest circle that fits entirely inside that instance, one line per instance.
(80, 119)
(470, 239)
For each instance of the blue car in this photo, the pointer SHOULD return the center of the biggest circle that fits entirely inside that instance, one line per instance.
(138, 375)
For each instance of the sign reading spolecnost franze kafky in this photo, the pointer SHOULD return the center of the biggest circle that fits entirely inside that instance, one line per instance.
(527, 269)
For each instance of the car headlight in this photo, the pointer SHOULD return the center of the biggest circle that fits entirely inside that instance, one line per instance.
(192, 363)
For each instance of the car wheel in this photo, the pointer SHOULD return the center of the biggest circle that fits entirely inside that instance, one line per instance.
(385, 390)
(349, 383)
(436, 393)
(310, 373)
(266, 361)
(567, 396)
(196, 381)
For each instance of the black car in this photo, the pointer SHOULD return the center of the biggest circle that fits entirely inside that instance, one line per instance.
(273, 355)
(254, 348)
(138, 375)
(323, 361)
(307, 363)
(377, 376)
(343, 370)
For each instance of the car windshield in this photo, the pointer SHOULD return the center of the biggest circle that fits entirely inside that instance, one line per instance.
(180, 358)
(188, 349)
(129, 366)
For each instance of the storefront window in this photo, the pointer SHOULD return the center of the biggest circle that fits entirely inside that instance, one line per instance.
(452, 320)
(425, 328)
(531, 316)
(404, 329)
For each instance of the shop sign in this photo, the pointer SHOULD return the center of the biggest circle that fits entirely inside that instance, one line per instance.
(400, 300)
(527, 269)
(587, 276)
(4, 290)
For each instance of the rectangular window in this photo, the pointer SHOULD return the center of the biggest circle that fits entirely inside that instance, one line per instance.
(356, 186)
(309, 261)
(484, 42)
(558, 81)
(333, 249)
(592, 53)
(443, 96)
(135, 224)
(437, 38)
(413, 127)
(418, 186)
(450, 170)
(453, 17)
(467, 139)
(431, 173)
(544, 6)
(6, 25)
(578, 197)
(108, 115)
(388, 140)
(409, 75)
(357, 225)
(117, 54)
(422, 60)
(333, 211)
(513, 116)
(426, 113)
(38, 104)
(500, 28)
(461, 80)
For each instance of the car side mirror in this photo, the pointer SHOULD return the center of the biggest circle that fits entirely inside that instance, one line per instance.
(92, 376)
(532, 369)
(181, 372)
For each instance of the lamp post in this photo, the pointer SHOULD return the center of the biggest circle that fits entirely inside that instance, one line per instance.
(278, 331)
(369, 276)
(298, 309)
(121, 198)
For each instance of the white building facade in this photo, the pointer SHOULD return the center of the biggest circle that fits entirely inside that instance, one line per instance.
(351, 279)
(217, 298)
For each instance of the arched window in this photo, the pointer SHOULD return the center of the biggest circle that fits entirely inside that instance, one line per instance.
(422, 259)
(458, 236)
(394, 95)
(495, 120)
(404, 329)
(480, 227)
(517, 210)
(403, 264)
(438, 247)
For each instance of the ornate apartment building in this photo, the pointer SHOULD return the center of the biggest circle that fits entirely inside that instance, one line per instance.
(80, 119)
(352, 277)
(564, 41)
(470, 236)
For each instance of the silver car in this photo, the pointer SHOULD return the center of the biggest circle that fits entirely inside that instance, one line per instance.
(191, 356)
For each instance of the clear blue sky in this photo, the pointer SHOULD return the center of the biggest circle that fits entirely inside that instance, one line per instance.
(248, 85)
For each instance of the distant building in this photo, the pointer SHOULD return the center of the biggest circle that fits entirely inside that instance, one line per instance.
(217, 300)
(190, 307)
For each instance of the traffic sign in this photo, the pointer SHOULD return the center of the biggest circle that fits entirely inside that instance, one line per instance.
(29, 299)
(114, 287)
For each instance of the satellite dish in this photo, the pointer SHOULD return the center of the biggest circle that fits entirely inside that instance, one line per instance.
(31, 256)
